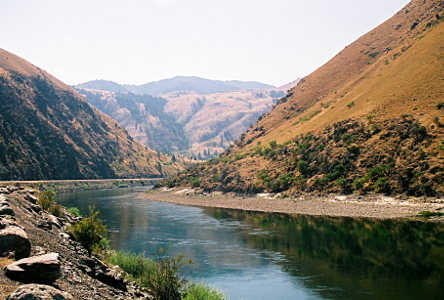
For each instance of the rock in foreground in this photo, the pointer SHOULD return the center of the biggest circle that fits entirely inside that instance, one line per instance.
(38, 292)
(14, 239)
(37, 269)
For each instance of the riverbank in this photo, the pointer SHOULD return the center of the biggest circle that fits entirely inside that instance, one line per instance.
(357, 206)
(68, 186)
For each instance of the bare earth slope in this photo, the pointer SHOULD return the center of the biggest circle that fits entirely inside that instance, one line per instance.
(368, 120)
(48, 131)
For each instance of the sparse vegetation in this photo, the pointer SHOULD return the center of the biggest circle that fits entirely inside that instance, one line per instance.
(89, 231)
(47, 202)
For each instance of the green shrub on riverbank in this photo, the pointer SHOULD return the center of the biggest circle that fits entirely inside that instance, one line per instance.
(47, 202)
(162, 276)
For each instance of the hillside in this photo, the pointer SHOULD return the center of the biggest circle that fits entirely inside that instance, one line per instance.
(48, 131)
(176, 84)
(143, 116)
(187, 123)
(369, 120)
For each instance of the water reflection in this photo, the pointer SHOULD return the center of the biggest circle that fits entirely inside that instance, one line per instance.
(352, 258)
(253, 255)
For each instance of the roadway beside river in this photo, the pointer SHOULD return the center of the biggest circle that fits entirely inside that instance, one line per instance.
(66, 186)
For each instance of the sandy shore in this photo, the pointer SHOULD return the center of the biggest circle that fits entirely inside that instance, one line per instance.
(332, 205)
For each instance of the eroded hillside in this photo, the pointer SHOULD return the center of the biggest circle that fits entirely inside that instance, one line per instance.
(371, 119)
(48, 131)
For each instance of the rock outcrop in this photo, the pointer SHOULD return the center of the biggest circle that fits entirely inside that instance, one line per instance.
(43, 269)
(38, 292)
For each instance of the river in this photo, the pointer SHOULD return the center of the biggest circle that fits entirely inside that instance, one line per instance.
(264, 256)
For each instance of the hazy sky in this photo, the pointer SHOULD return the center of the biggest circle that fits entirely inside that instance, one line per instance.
(138, 41)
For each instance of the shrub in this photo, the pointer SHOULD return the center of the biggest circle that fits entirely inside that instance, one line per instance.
(273, 144)
(201, 291)
(350, 104)
(46, 199)
(263, 175)
(302, 166)
(359, 183)
(320, 147)
(266, 151)
(216, 178)
(167, 283)
(74, 210)
(89, 231)
(47, 202)
(439, 105)
(56, 210)
(380, 184)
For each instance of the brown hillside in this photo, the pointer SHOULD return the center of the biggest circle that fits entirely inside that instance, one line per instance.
(48, 131)
(368, 120)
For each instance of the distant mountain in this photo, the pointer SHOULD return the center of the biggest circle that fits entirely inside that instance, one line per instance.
(144, 117)
(250, 85)
(49, 131)
(370, 120)
(185, 122)
(103, 85)
(176, 84)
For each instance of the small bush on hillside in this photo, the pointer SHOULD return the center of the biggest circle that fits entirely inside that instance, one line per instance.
(273, 144)
(302, 166)
(89, 231)
(46, 199)
(47, 202)
(350, 104)
(439, 105)
(74, 210)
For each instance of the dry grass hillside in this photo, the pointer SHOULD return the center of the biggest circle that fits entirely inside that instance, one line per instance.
(185, 122)
(48, 131)
(371, 119)
(212, 122)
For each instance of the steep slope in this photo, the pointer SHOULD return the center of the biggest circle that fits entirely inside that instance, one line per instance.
(212, 122)
(48, 131)
(368, 120)
(143, 116)
(187, 123)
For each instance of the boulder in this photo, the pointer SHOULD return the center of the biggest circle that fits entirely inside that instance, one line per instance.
(36, 208)
(112, 278)
(6, 210)
(31, 198)
(38, 292)
(14, 239)
(43, 269)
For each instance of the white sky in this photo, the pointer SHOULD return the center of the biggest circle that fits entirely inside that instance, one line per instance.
(138, 41)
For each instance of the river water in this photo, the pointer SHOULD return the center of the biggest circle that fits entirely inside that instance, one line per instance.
(254, 255)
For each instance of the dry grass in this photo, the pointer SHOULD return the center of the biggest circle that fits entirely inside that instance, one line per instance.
(404, 78)
(7, 286)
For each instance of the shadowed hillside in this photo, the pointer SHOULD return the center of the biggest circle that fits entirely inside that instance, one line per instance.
(48, 131)
(369, 120)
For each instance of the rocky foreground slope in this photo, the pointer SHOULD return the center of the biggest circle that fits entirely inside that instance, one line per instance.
(50, 264)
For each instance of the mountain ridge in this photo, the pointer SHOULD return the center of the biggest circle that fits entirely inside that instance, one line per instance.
(368, 120)
(175, 84)
(48, 131)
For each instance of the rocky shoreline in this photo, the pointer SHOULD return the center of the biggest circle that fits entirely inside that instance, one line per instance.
(39, 260)
(368, 206)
